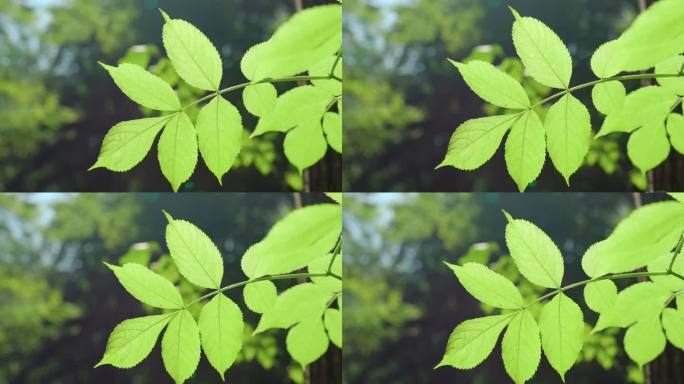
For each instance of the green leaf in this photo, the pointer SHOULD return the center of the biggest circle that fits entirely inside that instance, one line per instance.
(293, 242)
(606, 60)
(180, 347)
(535, 254)
(520, 348)
(661, 264)
(562, 332)
(526, 149)
(335, 196)
(608, 97)
(260, 296)
(195, 255)
(671, 66)
(219, 132)
(675, 128)
(178, 150)
(679, 196)
(127, 143)
(305, 145)
(493, 85)
(143, 87)
(320, 265)
(132, 340)
(194, 57)
(322, 68)
(294, 107)
(307, 341)
(656, 34)
(634, 303)
(646, 105)
(260, 99)
(147, 286)
(303, 301)
(332, 318)
(473, 340)
(648, 146)
(568, 132)
(221, 329)
(487, 286)
(332, 127)
(300, 43)
(475, 141)
(644, 341)
(542, 52)
(673, 323)
(646, 234)
(600, 295)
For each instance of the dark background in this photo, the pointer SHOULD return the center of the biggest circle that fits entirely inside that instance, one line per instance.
(57, 103)
(402, 302)
(59, 302)
(404, 99)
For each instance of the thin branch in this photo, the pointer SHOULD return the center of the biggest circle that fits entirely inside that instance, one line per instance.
(336, 251)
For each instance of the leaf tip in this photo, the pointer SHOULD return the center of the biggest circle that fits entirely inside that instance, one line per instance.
(165, 15)
(508, 216)
(168, 216)
(515, 13)
(455, 63)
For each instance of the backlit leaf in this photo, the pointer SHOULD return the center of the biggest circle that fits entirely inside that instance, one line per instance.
(675, 129)
(332, 127)
(219, 132)
(332, 318)
(260, 296)
(671, 66)
(320, 265)
(608, 97)
(521, 348)
(143, 87)
(303, 301)
(221, 329)
(473, 340)
(180, 347)
(305, 145)
(132, 340)
(296, 106)
(260, 99)
(600, 295)
(648, 146)
(178, 150)
(147, 286)
(568, 134)
(646, 105)
(493, 85)
(673, 323)
(487, 286)
(526, 149)
(562, 332)
(645, 340)
(307, 341)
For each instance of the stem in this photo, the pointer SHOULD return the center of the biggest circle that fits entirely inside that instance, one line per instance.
(267, 80)
(336, 251)
(606, 277)
(263, 278)
(337, 60)
(677, 250)
(617, 78)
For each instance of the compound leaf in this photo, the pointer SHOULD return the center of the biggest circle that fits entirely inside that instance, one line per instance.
(645, 340)
(260, 296)
(332, 127)
(320, 265)
(260, 99)
(221, 329)
(608, 97)
(535, 254)
(307, 341)
(127, 143)
(493, 85)
(488, 286)
(332, 318)
(178, 150)
(661, 264)
(542, 52)
(646, 105)
(303, 301)
(194, 57)
(195, 255)
(296, 106)
(568, 133)
(562, 332)
(180, 347)
(219, 132)
(673, 323)
(322, 68)
(473, 340)
(526, 149)
(305, 145)
(675, 128)
(668, 67)
(600, 295)
(648, 146)
(132, 340)
(521, 348)
(475, 141)
(143, 87)
(294, 241)
(147, 286)
(634, 303)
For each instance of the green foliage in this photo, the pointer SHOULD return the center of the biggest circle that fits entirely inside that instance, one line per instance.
(304, 309)
(310, 42)
(643, 308)
(653, 41)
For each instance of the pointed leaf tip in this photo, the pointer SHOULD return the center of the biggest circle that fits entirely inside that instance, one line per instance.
(165, 15)
(508, 215)
(515, 13)
(168, 216)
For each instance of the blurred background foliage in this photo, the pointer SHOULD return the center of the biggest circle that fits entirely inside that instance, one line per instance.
(404, 99)
(59, 302)
(57, 103)
(402, 302)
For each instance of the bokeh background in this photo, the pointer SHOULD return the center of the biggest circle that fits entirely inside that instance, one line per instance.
(404, 99)
(59, 302)
(402, 302)
(57, 103)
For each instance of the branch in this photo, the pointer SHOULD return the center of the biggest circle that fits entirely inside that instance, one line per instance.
(336, 251)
